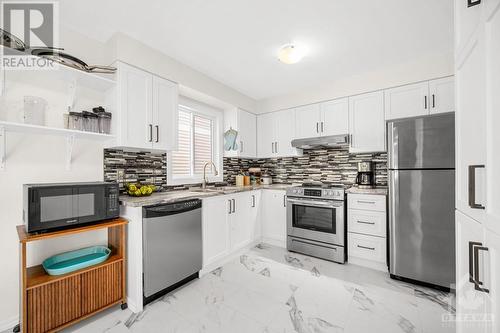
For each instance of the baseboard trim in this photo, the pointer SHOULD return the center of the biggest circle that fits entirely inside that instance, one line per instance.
(9, 323)
(275, 242)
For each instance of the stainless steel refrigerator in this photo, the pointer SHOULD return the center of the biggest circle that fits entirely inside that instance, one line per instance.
(421, 163)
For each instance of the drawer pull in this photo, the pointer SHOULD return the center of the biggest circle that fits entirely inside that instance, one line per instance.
(365, 222)
(366, 202)
(366, 247)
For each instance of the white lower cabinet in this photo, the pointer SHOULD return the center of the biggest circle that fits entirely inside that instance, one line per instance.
(230, 222)
(215, 224)
(472, 304)
(367, 230)
(273, 217)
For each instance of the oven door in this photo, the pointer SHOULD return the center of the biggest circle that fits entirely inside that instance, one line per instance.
(315, 219)
(64, 206)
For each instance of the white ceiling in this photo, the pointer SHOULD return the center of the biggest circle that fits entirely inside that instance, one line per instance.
(236, 41)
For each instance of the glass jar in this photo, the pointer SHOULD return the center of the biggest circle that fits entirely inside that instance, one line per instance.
(90, 122)
(104, 122)
(75, 121)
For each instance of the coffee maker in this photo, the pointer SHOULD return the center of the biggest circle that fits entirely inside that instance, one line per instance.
(365, 177)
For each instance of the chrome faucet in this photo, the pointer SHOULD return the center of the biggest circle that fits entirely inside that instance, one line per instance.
(204, 183)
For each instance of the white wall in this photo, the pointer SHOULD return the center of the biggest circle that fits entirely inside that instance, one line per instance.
(434, 66)
(136, 53)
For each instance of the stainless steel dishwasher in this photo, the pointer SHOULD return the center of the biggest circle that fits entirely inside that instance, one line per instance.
(172, 246)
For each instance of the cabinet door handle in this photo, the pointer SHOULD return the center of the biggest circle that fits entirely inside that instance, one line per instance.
(472, 3)
(351, 142)
(365, 222)
(433, 101)
(150, 132)
(366, 247)
(425, 102)
(366, 202)
(276, 145)
(234, 205)
(157, 133)
(471, 261)
(321, 127)
(272, 147)
(472, 187)
(253, 200)
(230, 207)
(317, 127)
(477, 282)
(241, 146)
(284, 201)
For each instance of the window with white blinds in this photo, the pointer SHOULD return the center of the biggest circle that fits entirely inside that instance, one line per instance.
(196, 134)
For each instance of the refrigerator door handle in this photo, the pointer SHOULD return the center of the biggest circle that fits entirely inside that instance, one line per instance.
(472, 187)
(392, 137)
(393, 204)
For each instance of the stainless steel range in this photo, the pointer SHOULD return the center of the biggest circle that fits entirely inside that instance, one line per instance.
(316, 221)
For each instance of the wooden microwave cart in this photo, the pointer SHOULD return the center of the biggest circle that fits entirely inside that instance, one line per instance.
(50, 303)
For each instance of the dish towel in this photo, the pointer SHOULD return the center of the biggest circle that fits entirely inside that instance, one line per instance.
(230, 139)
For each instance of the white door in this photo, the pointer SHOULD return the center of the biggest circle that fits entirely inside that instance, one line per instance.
(471, 131)
(247, 128)
(366, 122)
(241, 225)
(274, 217)
(442, 95)
(466, 21)
(471, 303)
(411, 100)
(285, 124)
(255, 215)
(307, 120)
(492, 241)
(493, 117)
(135, 97)
(266, 135)
(216, 243)
(165, 114)
(335, 117)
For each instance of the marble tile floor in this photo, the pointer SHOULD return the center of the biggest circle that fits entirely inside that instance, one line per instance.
(270, 290)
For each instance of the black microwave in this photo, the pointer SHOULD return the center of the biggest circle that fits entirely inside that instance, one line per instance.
(65, 205)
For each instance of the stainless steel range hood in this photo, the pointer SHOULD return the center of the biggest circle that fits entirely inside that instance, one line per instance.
(324, 141)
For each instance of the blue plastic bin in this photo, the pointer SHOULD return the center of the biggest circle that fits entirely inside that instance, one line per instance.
(71, 261)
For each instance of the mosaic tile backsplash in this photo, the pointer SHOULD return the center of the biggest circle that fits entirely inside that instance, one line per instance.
(332, 165)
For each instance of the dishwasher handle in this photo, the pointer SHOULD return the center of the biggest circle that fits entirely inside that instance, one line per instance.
(171, 208)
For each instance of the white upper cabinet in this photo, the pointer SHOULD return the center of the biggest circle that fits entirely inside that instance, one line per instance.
(420, 99)
(276, 130)
(442, 95)
(308, 119)
(265, 135)
(322, 119)
(335, 117)
(165, 115)
(146, 116)
(246, 124)
(407, 101)
(285, 133)
(133, 119)
(366, 122)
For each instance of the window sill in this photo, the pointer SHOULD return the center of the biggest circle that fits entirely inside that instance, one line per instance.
(193, 181)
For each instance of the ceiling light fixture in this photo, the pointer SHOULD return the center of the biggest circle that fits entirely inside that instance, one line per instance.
(291, 54)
